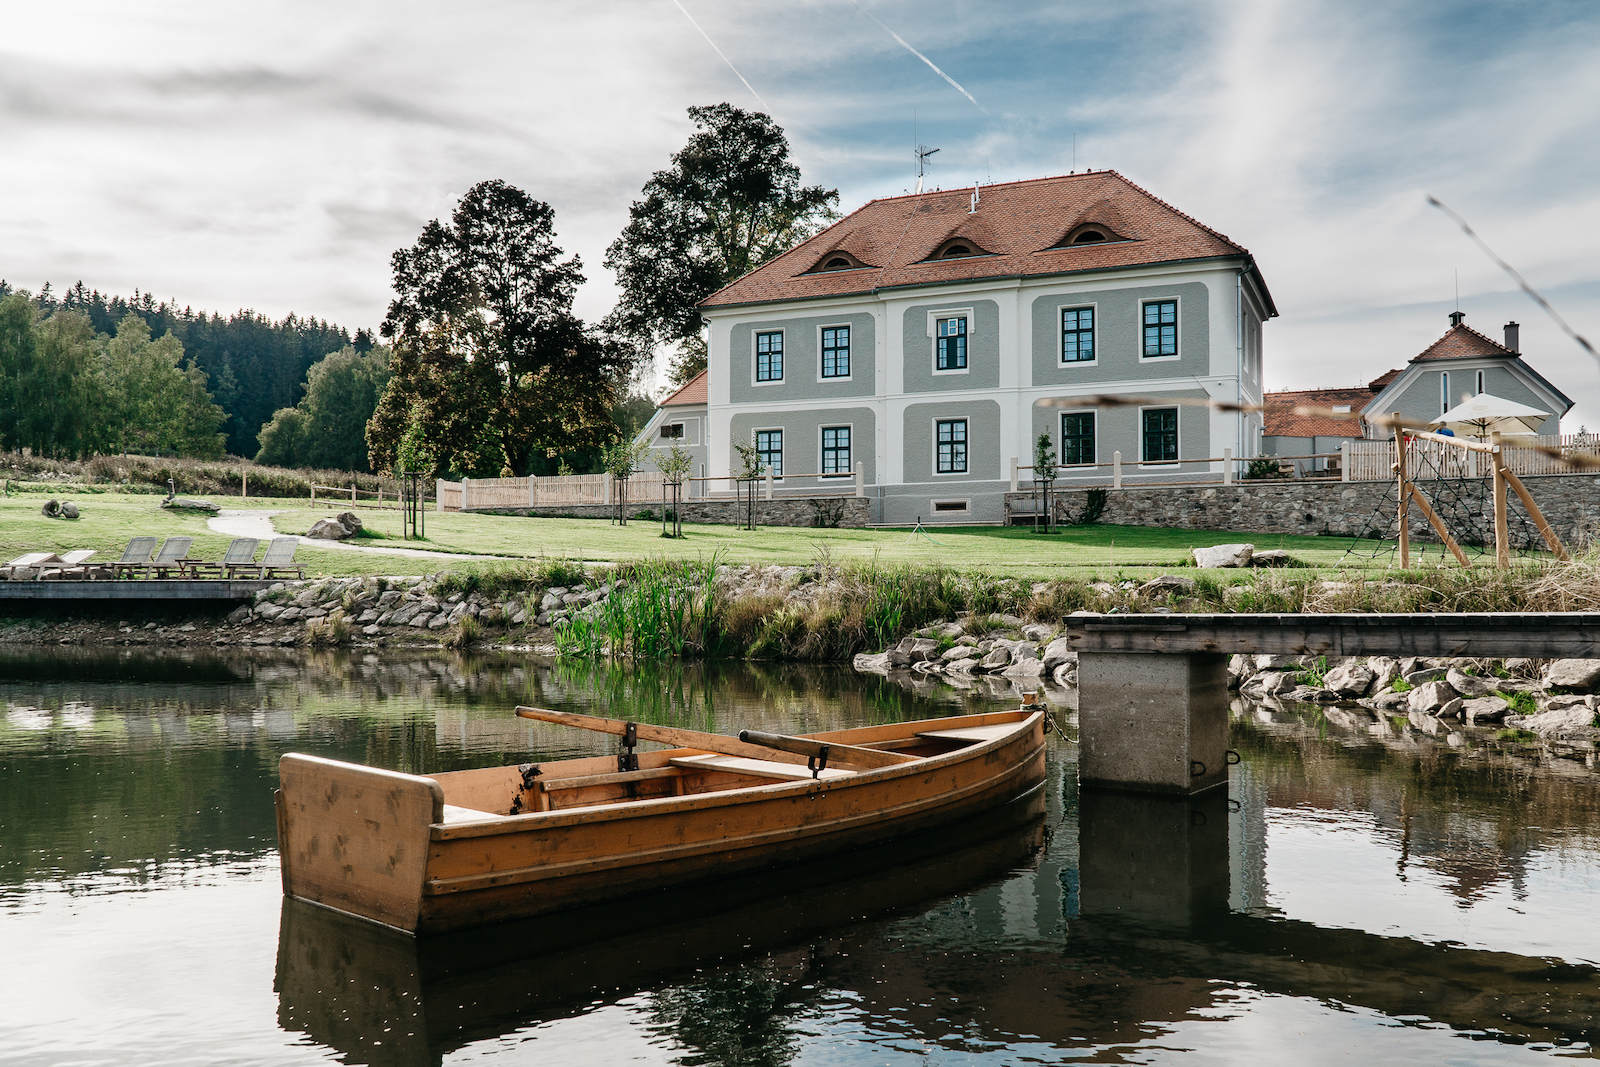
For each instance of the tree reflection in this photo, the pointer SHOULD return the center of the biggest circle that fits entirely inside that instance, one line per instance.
(739, 1016)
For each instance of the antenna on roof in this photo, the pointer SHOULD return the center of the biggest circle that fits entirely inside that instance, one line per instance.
(923, 152)
(974, 208)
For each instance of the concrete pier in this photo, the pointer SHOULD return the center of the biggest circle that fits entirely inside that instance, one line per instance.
(1154, 722)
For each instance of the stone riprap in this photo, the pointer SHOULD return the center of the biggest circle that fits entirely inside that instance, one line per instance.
(1571, 503)
(842, 511)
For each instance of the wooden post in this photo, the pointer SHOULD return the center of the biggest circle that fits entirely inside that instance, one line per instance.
(1405, 495)
(1116, 470)
(1227, 466)
(1537, 516)
(1502, 537)
(533, 490)
(1438, 526)
(352, 492)
(313, 494)
(1013, 474)
(244, 491)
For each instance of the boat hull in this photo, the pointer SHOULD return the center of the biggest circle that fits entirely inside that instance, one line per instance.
(376, 844)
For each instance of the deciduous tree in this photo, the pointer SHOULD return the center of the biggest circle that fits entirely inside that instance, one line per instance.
(730, 201)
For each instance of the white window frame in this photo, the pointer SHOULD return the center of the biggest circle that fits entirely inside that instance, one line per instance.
(829, 379)
(1177, 328)
(1164, 464)
(942, 507)
(1444, 391)
(1061, 333)
(933, 338)
(1480, 384)
(783, 450)
(1061, 449)
(679, 437)
(755, 332)
(850, 466)
(933, 426)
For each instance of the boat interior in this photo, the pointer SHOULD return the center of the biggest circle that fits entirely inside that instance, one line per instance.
(497, 792)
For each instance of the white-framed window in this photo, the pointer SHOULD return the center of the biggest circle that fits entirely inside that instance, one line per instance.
(1158, 435)
(1077, 335)
(1479, 390)
(835, 351)
(1444, 392)
(835, 450)
(671, 431)
(950, 343)
(1159, 329)
(950, 507)
(950, 446)
(769, 355)
(1077, 438)
(769, 450)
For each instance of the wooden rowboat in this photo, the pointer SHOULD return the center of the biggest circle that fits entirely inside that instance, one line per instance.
(466, 848)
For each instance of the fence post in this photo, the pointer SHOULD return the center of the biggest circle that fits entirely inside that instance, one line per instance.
(533, 490)
(352, 492)
(1344, 461)
(313, 494)
(606, 495)
(1013, 474)
(769, 483)
(1116, 470)
(861, 478)
(244, 492)
(1227, 466)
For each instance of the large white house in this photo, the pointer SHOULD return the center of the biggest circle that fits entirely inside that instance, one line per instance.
(930, 339)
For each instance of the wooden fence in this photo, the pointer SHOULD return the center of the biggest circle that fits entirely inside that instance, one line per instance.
(1373, 461)
(559, 490)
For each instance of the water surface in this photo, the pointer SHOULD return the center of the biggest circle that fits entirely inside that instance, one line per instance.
(1359, 895)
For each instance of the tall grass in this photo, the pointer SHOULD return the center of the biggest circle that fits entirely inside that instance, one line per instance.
(668, 608)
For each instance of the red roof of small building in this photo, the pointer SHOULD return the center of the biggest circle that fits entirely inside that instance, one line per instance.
(689, 393)
(1460, 341)
(1280, 420)
(1020, 227)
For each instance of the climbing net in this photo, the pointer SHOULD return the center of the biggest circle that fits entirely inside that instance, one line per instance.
(1462, 497)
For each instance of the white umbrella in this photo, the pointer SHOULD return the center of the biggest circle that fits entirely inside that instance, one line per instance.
(1485, 414)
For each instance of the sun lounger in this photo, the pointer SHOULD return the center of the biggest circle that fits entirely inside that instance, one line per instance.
(173, 557)
(135, 558)
(242, 552)
(27, 566)
(279, 560)
(70, 566)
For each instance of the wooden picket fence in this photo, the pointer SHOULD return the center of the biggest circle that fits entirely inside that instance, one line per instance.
(477, 494)
(1372, 461)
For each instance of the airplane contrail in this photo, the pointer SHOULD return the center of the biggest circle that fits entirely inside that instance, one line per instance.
(735, 69)
(934, 67)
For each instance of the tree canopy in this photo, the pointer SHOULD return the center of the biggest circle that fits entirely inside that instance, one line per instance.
(490, 367)
(730, 201)
(328, 427)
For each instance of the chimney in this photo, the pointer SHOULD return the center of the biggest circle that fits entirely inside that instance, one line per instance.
(1456, 317)
(1511, 337)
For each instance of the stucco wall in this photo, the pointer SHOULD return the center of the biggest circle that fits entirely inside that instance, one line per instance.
(802, 359)
(1119, 335)
(983, 347)
(784, 511)
(802, 439)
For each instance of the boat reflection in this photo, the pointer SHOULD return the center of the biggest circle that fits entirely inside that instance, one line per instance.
(383, 998)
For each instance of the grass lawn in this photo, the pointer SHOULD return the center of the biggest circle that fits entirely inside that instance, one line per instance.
(110, 519)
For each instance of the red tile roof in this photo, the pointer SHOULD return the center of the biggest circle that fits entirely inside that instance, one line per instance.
(1021, 225)
(1377, 384)
(1462, 340)
(1279, 420)
(690, 393)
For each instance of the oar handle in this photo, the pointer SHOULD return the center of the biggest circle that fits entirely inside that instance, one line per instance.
(802, 746)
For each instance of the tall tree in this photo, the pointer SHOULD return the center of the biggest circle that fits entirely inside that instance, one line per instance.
(153, 401)
(328, 427)
(730, 201)
(490, 366)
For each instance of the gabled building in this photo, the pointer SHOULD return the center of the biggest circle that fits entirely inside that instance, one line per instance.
(1458, 366)
(928, 340)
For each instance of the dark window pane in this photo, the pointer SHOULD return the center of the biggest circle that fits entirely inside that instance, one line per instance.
(1160, 437)
(951, 435)
(769, 357)
(836, 450)
(1161, 328)
(836, 352)
(1077, 335)
(769, 449)
(952, 339)
(1077, 438)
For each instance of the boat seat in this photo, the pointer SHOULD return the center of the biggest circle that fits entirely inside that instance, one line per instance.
(972, 733)
(454, 814)
(755, 768)
(552, 785)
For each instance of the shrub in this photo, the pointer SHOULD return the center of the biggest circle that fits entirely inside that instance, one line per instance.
(467, 632)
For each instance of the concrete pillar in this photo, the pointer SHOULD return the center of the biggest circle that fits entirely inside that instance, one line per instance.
(1344, 461)
(861, 478)
(1161, 862)
(1116, 470)
(1153, 722)
(1227, 466)
(769, 483)
(1013, 474)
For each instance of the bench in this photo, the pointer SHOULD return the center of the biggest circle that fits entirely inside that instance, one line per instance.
(754, 768)
(975, 734)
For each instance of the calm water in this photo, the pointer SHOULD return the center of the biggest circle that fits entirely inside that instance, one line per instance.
(1384, 898)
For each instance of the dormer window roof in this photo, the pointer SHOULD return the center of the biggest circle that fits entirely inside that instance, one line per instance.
(1088, 233)
(958, 248)
(838, 259)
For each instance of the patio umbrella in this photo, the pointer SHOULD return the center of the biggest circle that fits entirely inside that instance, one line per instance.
(1485, 414)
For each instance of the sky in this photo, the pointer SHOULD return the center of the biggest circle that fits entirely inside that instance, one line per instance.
(272, 156)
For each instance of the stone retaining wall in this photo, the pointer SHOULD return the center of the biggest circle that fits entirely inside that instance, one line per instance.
(852, 511)
(1570, 502)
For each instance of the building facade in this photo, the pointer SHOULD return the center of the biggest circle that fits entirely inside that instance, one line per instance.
(927, 341)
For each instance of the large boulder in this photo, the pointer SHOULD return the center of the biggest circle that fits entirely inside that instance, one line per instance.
(1484, 709)
(1429, 697)
(1272, 557)
(1385, 669)
(1581, 674)
(1165, 584)
(1574, 722)
(1470, 685)
(1349, 680)
(328, 530)
(1224, 556)
(350, 521)
(1058, 652)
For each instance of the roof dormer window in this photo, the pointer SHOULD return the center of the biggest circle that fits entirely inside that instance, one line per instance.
(838, 259)
(1088, 237)
(958, 248)
(1088, 233)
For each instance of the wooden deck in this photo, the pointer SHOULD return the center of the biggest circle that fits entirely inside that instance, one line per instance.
(139, 589)
(1555, 634)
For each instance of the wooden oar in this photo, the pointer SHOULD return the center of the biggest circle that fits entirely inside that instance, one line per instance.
(839, 755)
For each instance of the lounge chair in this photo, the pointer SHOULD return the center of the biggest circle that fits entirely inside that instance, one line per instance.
(27, 566)
(73, 565)
(135, 558)
(241, 552)
(173, 557)
(279, 560)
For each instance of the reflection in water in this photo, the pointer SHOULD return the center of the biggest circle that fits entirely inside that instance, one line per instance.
(1364, 880)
